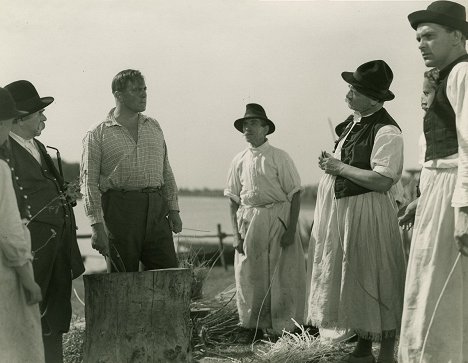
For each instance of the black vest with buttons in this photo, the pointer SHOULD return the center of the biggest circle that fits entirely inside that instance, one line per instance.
(42, 185)
(439, 121)
(357, 149)
(23, 206)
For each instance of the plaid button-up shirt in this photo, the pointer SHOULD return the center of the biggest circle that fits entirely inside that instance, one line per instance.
(113, 160)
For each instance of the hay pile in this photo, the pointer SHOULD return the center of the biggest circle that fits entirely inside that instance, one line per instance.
(221, 325)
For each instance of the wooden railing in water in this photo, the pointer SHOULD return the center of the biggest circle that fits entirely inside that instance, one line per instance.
(220, 235)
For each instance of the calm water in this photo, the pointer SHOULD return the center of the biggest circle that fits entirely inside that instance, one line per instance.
(200, 216)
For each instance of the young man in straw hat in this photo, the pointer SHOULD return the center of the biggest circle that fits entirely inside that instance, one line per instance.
(57, 259)
(264, 191)
(129, 190)
(435, 317)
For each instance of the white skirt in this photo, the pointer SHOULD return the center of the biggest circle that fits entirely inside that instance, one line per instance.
(432, 256)
(362, 288)
(270, 280)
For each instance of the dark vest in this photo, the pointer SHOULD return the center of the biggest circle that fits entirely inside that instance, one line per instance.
(439, 121)
(41, 185)
(357, 149)
(23, 206)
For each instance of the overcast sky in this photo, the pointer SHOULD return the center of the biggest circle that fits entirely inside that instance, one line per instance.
(203, 60)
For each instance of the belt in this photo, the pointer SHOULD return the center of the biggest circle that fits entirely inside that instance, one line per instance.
(144, 190)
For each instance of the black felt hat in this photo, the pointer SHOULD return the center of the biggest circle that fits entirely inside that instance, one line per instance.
(8, 108)
(446, 13)
(26, 97)
(254, 110)
(372, 79)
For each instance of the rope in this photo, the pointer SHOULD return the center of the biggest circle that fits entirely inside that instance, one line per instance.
(78, 297)
(437, 306)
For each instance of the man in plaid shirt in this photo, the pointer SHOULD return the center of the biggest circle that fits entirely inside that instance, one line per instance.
(130, 194)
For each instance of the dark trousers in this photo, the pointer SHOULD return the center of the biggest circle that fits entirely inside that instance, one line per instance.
(53, 350)
(52, 272)
(138, 230)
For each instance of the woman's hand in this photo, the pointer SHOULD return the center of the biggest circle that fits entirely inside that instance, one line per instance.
(330, 165)
(406, 221)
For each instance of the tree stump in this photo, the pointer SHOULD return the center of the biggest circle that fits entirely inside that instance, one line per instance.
(138, 317)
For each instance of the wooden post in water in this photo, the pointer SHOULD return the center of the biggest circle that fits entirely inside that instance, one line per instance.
(138, 317)
(221, 236)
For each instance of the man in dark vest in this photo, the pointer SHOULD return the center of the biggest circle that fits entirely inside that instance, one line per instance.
(57, 259)
(435, 316)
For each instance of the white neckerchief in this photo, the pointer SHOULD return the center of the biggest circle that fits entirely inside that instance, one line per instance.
(29, 145)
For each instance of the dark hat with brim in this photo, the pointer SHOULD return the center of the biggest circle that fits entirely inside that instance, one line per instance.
(8, 108)
(26, 97)
(447, 13)
(254, 111)
(372, 79)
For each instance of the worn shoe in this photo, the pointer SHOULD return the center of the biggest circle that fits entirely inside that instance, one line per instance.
(247, 336)
(353, 359)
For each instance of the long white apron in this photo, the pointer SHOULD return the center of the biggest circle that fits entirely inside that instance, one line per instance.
(270, 279)
(358, 269)
(432, 256)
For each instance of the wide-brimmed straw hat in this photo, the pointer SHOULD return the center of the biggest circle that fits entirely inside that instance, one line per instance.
(447, 13)
(8, 108)
(372, 79)
(254, 110)
(26, 97)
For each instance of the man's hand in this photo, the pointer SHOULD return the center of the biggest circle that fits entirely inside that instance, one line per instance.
(239, 243)
(174, 221)
(33, 293)
(288, 238)
(406, 221)
(461, 229)
(330, 165)
(99, 239)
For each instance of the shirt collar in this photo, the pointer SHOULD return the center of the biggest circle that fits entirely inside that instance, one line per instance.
(262, 147)
(443, 73)
(20, 139)
(111, 121)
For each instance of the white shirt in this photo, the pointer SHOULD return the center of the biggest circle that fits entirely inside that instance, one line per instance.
(387, 153)
(29, 145)
(262, 176)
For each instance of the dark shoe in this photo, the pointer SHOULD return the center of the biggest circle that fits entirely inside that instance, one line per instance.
(353, 359)
(248, 336)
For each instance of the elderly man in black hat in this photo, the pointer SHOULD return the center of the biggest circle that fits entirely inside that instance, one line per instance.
(264, 191)
(358, 268)
(57, 259)
(435, 316)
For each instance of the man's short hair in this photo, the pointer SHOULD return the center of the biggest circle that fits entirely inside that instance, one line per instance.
(451, 30)
(121, 79)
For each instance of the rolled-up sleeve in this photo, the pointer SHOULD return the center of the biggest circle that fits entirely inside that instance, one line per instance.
(288, 175)
(15, 243)
(234, 186)
(170, 186)
(387, 153)
(457, 93)
(89, 176)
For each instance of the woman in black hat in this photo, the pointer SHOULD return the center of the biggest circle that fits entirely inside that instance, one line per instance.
(20, 329)
(358, 267)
